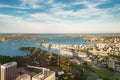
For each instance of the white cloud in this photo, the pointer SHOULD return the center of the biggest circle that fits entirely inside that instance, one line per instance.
(90, 12)
(49, 2)
(20, 11)
(58, 20)
(82, 14)
(32, 3)
(16, 7)
(44, 17)
(113, 9)
(16, 24)
(7, 18)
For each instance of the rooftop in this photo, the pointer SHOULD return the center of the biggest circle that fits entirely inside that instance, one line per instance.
(6, 65)
(38, 76)
(43, 76)
(24, 77)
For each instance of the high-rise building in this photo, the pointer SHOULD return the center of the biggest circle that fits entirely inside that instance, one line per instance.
(8, 71)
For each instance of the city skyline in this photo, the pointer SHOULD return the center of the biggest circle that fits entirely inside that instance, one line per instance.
(59, 16)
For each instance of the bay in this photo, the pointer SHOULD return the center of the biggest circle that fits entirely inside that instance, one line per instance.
(10, 47)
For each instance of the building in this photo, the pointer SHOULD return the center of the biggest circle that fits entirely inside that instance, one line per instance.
(65, 53)
(48, 75)
(100, 46)
(39, 76)
(8, 71)
(82, 55)
(2, 39)
(111, 64)
(24, 77)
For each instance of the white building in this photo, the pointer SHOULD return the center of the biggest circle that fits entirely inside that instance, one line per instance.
(65, 53)
(82, 54)
(100, 45)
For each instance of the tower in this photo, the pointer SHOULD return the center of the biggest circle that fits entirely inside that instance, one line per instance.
(8, 71)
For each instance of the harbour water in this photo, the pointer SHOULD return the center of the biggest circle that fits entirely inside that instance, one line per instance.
(10, 47)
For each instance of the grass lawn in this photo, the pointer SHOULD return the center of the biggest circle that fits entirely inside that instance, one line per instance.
(106, 74)
(52, 67)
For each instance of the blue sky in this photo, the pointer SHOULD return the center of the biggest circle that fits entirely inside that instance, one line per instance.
(59, 16)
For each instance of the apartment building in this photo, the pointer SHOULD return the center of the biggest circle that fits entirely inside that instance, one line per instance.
(8, 71)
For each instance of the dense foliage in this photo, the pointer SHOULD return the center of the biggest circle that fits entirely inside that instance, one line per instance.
(19, 59)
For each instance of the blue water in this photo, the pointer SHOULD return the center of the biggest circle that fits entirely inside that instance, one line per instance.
(10, 47)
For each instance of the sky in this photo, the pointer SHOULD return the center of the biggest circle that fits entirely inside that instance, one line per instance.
(59, 16)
